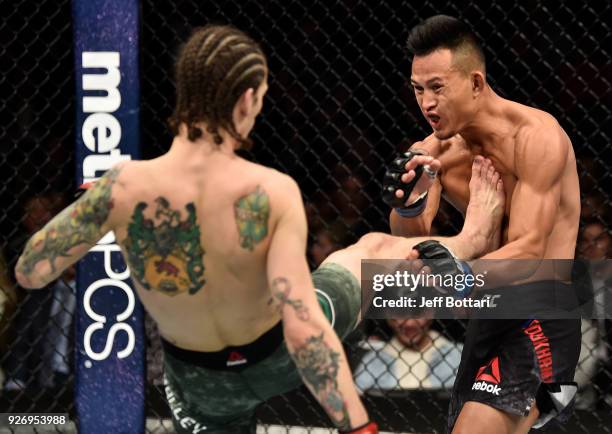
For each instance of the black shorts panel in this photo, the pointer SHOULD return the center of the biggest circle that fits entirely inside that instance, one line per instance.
(512, 364)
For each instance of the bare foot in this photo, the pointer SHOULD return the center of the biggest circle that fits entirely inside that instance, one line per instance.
(486, 208)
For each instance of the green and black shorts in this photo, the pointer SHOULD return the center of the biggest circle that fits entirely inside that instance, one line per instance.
(214, 392)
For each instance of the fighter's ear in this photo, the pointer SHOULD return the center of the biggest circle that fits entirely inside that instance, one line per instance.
(478, 82)
(246, 101)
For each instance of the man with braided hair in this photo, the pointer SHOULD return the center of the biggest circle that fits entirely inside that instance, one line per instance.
(216, 247)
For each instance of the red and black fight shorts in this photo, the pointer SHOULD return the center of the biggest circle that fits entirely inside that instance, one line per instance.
(512, 364)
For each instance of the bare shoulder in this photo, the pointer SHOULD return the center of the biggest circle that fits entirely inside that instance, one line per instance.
(136, 177)
(132, 183)
(126, 177)
(281, 185)
(120, 177)
(542, 136)
(542, 146)
(127, 172)
(281, 189)
(282, 196)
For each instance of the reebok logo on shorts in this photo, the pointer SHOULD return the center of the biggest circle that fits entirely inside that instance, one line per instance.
(488, 373)
(235, 358)
(491, 388)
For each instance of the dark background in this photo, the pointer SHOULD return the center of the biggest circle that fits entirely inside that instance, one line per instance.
(338, 107)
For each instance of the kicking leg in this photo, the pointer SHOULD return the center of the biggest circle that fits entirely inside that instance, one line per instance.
(480, 233)
(478, 236)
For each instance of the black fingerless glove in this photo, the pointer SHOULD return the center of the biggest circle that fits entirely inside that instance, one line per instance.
(393, 180)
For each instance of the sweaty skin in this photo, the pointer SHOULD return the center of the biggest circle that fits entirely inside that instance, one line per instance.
(528, 147)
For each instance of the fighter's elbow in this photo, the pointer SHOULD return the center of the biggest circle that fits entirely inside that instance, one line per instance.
(298, 330)
(294, 337)
(532, 248)
(23, 280)
(27, 281)
(530, 255)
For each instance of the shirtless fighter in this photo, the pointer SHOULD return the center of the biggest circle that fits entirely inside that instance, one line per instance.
(216, 247)
(514, 374)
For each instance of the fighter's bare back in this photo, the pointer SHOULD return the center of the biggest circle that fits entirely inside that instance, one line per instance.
(229, 303)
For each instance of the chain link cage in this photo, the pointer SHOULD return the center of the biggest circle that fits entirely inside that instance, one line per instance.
(339, 107)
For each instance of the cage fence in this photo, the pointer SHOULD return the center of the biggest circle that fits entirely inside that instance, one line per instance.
(338, 109)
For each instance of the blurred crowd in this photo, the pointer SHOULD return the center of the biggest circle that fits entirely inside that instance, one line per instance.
(36, 327)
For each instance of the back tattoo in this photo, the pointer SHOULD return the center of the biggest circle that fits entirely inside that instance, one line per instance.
(164, 252)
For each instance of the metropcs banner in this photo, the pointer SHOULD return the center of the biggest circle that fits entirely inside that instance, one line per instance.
(110, 359)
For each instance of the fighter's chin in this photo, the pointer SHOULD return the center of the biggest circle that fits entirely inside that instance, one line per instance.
(443, 134)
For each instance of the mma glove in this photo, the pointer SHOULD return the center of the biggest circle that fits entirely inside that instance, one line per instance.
(393, 182)
(443, 262)
(368, 428)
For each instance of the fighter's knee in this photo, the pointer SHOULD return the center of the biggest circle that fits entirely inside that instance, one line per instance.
(373, 242)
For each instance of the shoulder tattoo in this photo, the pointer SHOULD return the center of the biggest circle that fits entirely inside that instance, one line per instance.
(252, 213)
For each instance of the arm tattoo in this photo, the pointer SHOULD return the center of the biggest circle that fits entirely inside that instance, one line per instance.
(80, 223)
(281, 288)
(252, 213)
(318, 364)
(165, 252)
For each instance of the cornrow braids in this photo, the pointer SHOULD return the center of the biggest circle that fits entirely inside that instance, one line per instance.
(215, 67)
(189, 76)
